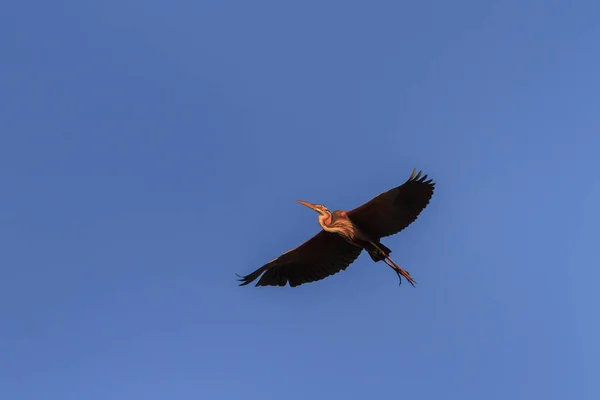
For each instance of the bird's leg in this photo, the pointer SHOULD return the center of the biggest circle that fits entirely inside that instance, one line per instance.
(399, 271)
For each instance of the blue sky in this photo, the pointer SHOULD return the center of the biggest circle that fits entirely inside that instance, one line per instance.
(150, 150)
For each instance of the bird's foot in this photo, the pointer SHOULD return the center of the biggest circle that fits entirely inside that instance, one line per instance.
(402, 273)
(399, 278)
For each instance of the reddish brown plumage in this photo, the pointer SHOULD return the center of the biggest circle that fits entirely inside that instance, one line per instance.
(327, 252)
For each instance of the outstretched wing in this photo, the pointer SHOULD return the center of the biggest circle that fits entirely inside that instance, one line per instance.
(322, 255)
(392, 211)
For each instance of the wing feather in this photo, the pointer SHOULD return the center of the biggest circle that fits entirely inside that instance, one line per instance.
(323, 255)
(390, 212)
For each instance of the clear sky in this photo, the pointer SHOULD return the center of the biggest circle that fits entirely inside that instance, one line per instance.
(150, 150)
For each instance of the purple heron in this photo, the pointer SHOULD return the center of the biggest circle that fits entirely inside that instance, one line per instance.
(346, 234)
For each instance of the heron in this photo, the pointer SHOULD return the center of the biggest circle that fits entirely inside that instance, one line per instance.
(345, 234)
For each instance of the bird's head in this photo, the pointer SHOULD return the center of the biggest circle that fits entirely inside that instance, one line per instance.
(321, 209)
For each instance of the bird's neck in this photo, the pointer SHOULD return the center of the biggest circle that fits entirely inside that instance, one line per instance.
(325, 220)
(340, 224)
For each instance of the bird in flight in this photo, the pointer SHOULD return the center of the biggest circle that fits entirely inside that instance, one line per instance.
(346, 234)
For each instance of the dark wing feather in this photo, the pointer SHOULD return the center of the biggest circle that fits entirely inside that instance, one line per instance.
(321, 256)
(392, 211)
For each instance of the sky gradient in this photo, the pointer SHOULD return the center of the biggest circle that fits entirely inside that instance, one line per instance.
(150, 150)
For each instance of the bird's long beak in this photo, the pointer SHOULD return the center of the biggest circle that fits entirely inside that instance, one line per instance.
(307, 204)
